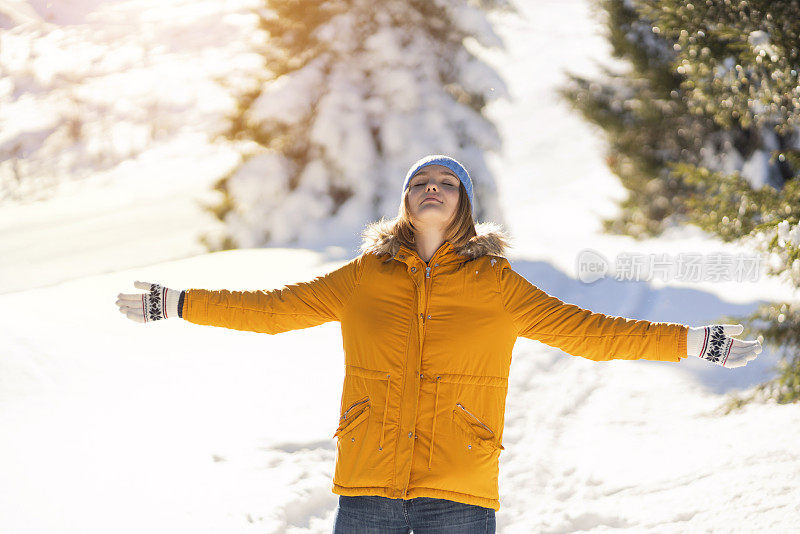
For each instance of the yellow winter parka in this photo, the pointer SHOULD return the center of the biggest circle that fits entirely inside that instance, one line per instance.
(427, 353)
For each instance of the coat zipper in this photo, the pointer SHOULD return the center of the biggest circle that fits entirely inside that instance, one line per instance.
(475, 418)
(353, 406)
(422, 337)
(427, 295)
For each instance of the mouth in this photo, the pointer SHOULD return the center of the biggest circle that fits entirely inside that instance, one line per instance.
(432, 198)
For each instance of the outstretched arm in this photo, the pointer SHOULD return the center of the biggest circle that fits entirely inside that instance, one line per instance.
(291, 307)
(581, 332)
(596, 336)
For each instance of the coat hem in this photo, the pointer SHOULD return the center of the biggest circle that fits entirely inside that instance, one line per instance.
(435, 493)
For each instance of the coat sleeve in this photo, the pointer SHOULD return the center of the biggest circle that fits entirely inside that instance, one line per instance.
(580, 332)
(291, 307)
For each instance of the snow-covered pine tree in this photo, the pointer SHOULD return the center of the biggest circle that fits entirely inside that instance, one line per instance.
(354, 92)
(645, 118)
(704, 129)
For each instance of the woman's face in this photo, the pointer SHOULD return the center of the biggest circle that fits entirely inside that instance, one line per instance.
(441, 184)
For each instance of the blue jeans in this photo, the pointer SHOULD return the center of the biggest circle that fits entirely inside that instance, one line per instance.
(371, 514)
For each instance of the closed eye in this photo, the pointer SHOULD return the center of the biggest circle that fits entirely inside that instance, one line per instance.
(446, 183)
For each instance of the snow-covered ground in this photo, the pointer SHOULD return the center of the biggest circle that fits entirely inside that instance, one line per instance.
(112, 426)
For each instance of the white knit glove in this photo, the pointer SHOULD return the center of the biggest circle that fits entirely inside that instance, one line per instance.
(158, 303)
(713, 343)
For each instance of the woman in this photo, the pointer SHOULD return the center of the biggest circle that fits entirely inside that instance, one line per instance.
(430, 311)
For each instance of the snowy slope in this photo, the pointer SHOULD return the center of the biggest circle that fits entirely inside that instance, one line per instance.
(108, 425)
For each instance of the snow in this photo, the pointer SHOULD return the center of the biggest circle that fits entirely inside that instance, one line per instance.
(472, 21)
(760, 41)
(109, 425)
(788, 234)
(91, 96)
(289, 98)
(757, 169)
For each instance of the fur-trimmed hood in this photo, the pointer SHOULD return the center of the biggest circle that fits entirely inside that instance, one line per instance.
(491, 239)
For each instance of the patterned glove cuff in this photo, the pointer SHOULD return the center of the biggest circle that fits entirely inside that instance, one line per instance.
(709, 343)
(694, 340)
(171, 305)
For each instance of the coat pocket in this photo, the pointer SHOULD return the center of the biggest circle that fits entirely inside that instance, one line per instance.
(353, 416)
(475, 429)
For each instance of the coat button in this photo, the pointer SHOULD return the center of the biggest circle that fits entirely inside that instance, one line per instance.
(413, 269)
(410, 434)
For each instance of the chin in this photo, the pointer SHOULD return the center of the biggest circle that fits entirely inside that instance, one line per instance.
(437, 221)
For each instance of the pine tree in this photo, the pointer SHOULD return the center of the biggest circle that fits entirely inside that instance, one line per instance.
(354, 92)
(704, 130)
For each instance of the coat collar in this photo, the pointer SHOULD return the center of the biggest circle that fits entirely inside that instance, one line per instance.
(490, 240)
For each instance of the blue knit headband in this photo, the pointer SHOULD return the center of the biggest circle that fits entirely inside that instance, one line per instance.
(445, 161)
